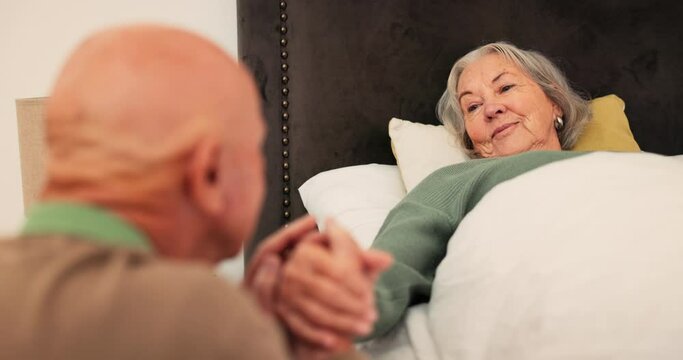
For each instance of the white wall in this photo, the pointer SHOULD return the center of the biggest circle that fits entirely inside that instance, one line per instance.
(37, 35)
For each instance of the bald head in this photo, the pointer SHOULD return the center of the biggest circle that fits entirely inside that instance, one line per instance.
(131, 102)
(165, 129)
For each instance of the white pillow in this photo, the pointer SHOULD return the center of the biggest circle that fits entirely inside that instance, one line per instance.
(420, 149)
(358, 197)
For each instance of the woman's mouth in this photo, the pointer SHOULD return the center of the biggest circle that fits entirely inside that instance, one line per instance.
(503, 129)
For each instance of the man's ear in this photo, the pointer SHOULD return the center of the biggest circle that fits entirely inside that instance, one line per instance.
(202, 183)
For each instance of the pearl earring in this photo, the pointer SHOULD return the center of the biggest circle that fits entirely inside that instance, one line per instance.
(559, 123)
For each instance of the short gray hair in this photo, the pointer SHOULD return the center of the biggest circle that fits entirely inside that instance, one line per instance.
(575, 109)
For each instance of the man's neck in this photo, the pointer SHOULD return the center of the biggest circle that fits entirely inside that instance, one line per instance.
(171, 232)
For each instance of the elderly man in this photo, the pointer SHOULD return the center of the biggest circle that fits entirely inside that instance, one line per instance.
(155, 172)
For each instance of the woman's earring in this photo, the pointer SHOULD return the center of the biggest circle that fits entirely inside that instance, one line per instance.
(559, 123)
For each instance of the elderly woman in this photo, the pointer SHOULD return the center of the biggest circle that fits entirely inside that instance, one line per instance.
(500, 101)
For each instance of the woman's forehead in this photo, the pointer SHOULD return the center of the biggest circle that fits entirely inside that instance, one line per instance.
(486, 70)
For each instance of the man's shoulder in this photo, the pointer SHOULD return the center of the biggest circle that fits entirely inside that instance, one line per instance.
(198, 309)
(162, 286)
(151, 304)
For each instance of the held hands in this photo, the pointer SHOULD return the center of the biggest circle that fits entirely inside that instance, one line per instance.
(326, 291)
(264, 270)
(319, 284)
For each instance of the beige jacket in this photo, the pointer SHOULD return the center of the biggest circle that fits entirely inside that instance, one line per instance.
(64, 298)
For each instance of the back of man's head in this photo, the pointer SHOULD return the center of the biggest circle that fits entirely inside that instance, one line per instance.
(128, 116)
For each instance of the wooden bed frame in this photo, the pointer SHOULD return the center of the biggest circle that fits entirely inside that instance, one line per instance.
(332, 73)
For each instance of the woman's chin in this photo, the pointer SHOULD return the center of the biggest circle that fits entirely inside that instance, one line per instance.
(509, 150)
(506, 147)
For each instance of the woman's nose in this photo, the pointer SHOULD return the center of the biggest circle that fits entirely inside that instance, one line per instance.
(493, 109)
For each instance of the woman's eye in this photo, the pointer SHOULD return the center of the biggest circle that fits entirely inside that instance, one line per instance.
(505, 88)
(472, 108)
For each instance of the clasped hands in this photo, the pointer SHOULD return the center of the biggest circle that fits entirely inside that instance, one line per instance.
(318, 284)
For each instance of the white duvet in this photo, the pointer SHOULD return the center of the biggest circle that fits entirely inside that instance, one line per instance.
(579, 259)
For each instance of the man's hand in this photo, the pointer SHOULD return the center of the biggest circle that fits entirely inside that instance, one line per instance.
(326, 292)
(263, 271)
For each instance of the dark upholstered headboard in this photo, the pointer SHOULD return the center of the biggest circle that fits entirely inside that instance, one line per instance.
(344, 68)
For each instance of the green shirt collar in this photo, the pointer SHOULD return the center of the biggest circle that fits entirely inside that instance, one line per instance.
(83, 221)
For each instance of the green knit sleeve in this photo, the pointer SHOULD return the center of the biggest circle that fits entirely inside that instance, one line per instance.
(414, 234)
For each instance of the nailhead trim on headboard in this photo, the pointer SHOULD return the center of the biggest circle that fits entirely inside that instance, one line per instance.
(284, 54)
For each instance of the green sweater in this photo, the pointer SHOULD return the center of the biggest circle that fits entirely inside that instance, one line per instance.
(417, 230)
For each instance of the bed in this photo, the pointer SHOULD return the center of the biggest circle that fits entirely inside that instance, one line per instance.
(332, 74)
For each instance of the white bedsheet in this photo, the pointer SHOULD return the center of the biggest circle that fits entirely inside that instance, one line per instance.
(580, 259)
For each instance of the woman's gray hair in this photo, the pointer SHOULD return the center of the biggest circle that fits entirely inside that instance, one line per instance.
(575, 109)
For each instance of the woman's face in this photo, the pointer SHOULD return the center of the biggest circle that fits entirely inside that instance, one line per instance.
(505, 111)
